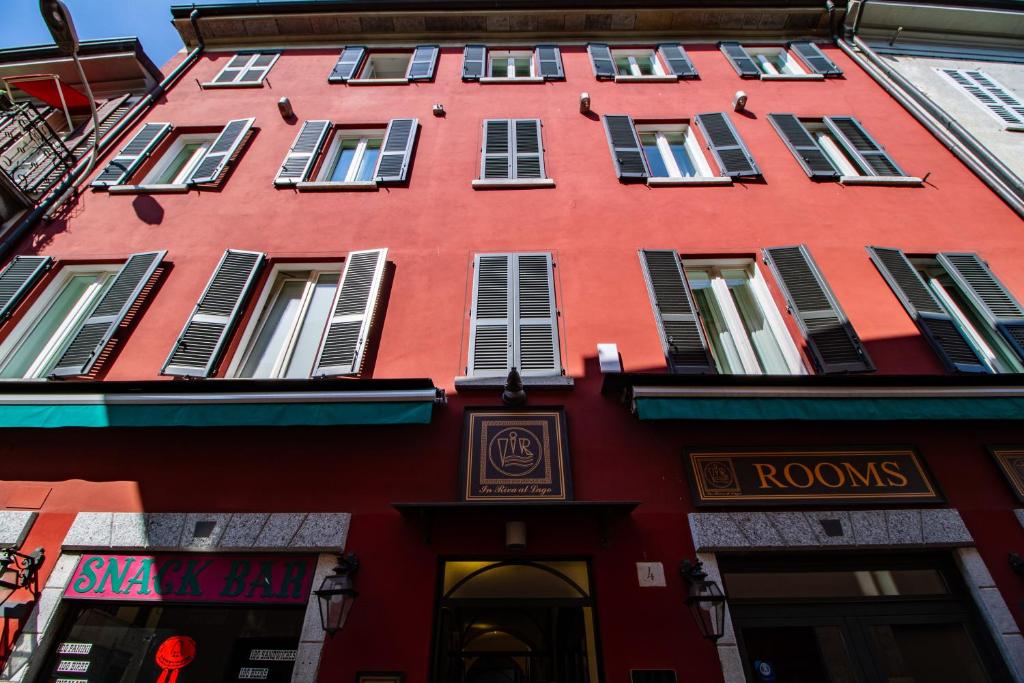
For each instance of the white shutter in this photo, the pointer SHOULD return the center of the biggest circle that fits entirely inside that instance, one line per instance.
(491, 320)
(536, 330)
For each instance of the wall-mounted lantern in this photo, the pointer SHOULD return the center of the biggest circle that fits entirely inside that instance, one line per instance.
(337, 594)
(18, 570)
(705, 599)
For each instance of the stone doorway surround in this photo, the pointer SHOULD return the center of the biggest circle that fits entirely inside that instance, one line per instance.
(324, 533)
(803, 531)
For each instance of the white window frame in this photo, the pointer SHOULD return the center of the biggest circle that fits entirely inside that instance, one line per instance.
(237, 82)
(270, 292)
(171, 153)
(733, 321)
(71, 324)
(334, 149)
(760, 55)
(510, 69)
(834, 149)
(634, 67)
(368, 67)
(1013, 126)
(690, 142)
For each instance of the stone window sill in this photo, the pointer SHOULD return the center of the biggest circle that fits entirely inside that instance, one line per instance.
(207, 86)
(378, 81)
(551, 382)
(792, 77)
(328, 186)
(881, 180)
(515, 183)
(672, 182)
(149, 189)
(646, 79)
(524, 79)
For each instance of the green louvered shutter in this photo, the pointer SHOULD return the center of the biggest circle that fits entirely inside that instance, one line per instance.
(990, 297)
(740, 59)
(601, 60)
(221, 151)
(496, 155)
(734, 159)
(682, 335)
(549, 61)
(396, 151)
(17, 279)
(423, 62)
(300, 158)
(624, 144)
(348, 64)
(856, 139)
(677, 61)
(131, 156)
(474, 62)
(807, 152)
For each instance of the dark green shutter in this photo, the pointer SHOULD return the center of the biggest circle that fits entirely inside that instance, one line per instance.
(924, 308)
(209, 327)
(815, 59)
(813, 160)
(549, 61)
(624, 144)
(734, 159)
(491, 317)
(220, 152)
(677, 61)
(474, 62)
(496, 155)
(601, 60)
(739, 58)
(17, 279)
(300, 158)
(131, 156)
(396, 150)
(993, 301)
(348, 64)
(858, 142)
(831, 340)
(682, 336)
(83, 351)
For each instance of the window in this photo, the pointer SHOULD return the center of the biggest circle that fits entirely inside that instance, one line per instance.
(668, 63)
(997, 100)
(179, 160)
(542, 63)
(673, 152)
(636, 63)
(385, 65)
(512, 154)
(775, 61)
(358, 65)
(510, 64)
(245, 69)
(327, 155)
(779, 62)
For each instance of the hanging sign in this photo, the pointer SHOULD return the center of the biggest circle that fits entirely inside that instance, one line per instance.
(510, 456)
(1011, 462)
(809, 477)
(193, 577)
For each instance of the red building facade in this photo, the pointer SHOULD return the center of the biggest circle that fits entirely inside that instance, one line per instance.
(861, 523)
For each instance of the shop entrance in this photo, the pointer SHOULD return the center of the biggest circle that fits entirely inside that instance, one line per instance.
(515, 621)
(863, 620)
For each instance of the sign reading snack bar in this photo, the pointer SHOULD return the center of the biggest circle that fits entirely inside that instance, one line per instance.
(515, 456)
(266, 579)
(809, 477)
(1011, 462)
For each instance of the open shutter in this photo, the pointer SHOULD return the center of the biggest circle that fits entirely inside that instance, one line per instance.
(17, 278)
(682, 336)
(857, 140)
(677, 60)
(81, 354)
(396, 151)
(740, 60)
(132, 154)
(491, 318)
(994, 301)
(496, 157)
(536, 348)
(601, 60)
(813, 160)
(348, 64)
(474, 62)
(833, 344)
(216, 158)
(300, 157)
(198, 347)
(549, 59)
(815, 59)
(421, 66)
(344, 342)
(529, 152)
(624, 144)
(734, 159)
(936, 325)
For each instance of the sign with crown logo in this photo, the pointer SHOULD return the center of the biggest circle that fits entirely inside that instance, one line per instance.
(520, 455)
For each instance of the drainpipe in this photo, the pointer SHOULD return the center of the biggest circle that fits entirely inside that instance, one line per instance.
(69, 185)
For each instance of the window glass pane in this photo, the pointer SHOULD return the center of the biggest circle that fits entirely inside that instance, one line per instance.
(877, 583)
(723, 347)
(369, 161)
(498, 67)
(646, 64)
(181, 160)
(312, 327)
(41, 347)
(622, 66)
(276, 329)
(762, 339)
(937, 653)
(522, 67)
(653, 154)
(344, 160)
(677, 143)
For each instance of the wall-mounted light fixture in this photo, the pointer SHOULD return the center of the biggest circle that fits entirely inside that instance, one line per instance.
(514, 393)
(515, 535)
(739, 100)
(1017, 563)
(705, 599)
(438, 109)
(18, 570)
(584, 102)
(337, 594)
(284, 105)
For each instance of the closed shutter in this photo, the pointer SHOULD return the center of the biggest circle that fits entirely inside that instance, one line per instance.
(233, 70)
(813, 160)
(198, 347)
(815, 59)
(299, 160)
(257, 68)
(734, 159)
(132, 154)
(491, 318)
(682, 336)
(396, 151)
(601, 60)
(17, 279)
(994, 301)
(537, 329)
(990, 94)
(217, 157)
(81, 354)
(496, 157)
(421, 66)
(549, 59)
(344, 342)
(529, 151)
(859, 143)
(348, 63)
(830, 337)
(740, 60)
(677, 60)
(924, 308)
(474, 62)
(624, 144)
